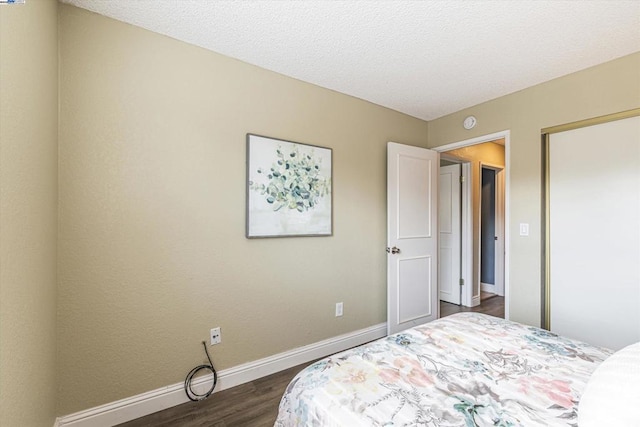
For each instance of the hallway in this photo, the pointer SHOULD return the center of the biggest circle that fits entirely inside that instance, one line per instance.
(493, 306)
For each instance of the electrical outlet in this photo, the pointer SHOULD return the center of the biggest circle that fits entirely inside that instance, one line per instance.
(338, 309)
(216, 336)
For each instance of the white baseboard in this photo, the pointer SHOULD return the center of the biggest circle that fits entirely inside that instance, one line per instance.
(475, 301)
(147, 403)
(488, 287)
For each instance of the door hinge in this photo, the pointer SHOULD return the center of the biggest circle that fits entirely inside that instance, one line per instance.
(461, 179)
(461, 282)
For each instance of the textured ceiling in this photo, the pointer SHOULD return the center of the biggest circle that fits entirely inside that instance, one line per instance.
(423, 58)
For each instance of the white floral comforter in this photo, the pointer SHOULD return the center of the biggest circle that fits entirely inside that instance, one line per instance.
(465, 370)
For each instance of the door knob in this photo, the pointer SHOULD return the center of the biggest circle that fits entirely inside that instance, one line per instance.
(393, 250)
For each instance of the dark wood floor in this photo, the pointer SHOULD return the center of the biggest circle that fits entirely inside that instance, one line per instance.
(491, 305)
(251, 404)
(255, 404)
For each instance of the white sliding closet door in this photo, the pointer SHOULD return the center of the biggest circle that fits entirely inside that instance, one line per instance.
(594, 229)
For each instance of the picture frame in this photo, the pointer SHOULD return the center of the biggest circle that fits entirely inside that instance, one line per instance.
(289, 188)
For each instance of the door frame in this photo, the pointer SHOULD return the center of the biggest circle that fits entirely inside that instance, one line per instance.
(467, 238)
(499, 263)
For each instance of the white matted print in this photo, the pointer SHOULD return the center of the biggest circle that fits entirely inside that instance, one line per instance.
(288, 188)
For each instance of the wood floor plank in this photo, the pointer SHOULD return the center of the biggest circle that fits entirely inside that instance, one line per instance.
(255, 404)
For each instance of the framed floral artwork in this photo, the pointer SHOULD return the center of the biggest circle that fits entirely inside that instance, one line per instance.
(288, 188)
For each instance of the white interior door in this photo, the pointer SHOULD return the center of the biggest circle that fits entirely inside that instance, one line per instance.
(412, 236)
(449, 229)
(594, 229)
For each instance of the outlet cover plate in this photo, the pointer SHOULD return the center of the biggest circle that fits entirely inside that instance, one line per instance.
(216, 336)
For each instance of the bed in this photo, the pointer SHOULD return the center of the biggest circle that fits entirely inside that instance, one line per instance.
(468, 369)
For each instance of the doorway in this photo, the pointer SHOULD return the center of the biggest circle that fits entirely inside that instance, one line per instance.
(488, 153)
(487, 232)
(491, 230)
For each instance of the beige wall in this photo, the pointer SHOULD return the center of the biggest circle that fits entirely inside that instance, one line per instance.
(488, 153)
(152, 203)
(604, 89)
(28, 212)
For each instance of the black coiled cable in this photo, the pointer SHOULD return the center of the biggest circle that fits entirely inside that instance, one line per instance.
(192, 395)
